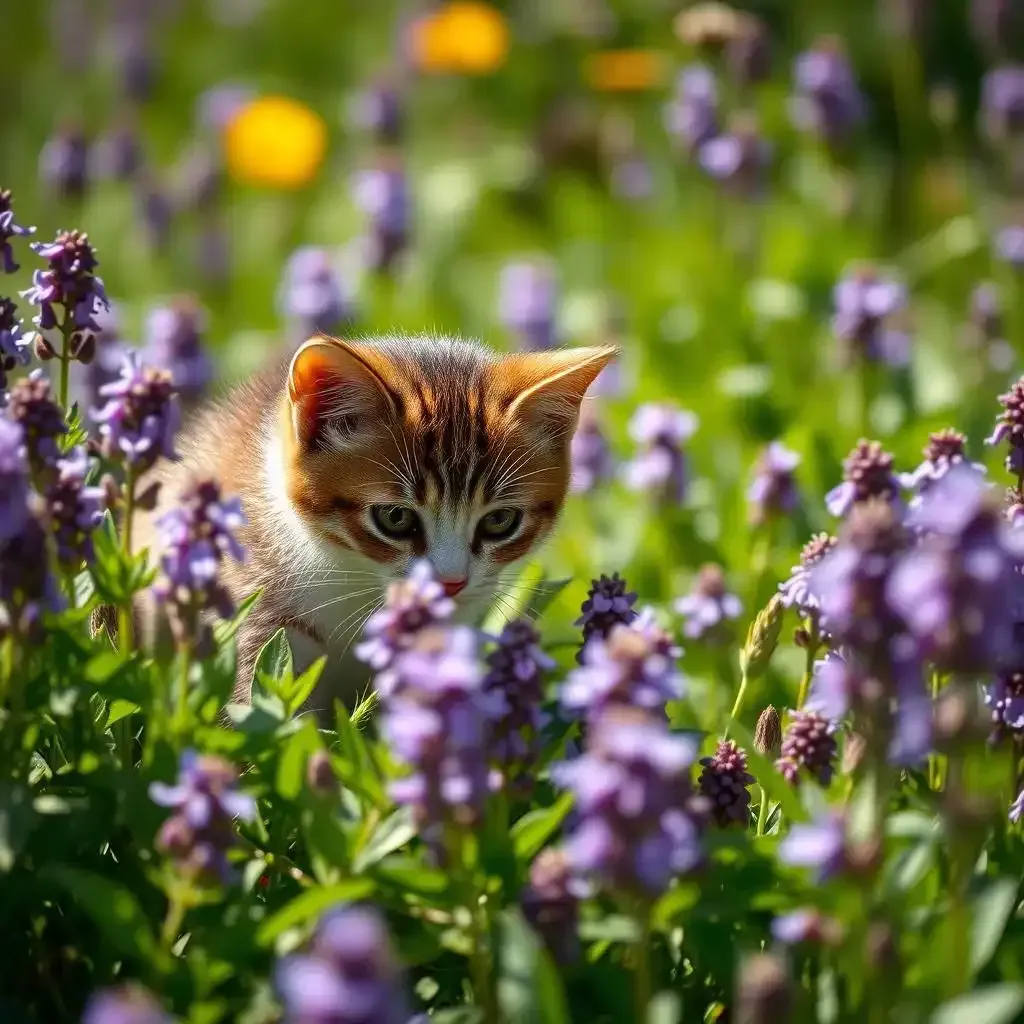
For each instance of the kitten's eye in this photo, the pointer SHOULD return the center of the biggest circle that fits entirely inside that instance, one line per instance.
(500, 523)
(399, 522)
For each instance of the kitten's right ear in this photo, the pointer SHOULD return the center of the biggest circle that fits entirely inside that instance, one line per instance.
(334, 383)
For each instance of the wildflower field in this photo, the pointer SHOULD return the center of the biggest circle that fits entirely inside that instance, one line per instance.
(745, 740)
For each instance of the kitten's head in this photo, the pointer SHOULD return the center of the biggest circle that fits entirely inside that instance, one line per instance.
(401, 449)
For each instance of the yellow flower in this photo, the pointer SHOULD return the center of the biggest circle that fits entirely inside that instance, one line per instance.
(625, 70)
(464, 37)
(276, 142)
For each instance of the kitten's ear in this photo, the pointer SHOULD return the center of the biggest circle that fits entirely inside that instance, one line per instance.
(548, 387)
(335, 383)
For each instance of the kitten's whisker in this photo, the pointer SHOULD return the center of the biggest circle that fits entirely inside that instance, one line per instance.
(372, 603)
(360, 625)
(342, 597)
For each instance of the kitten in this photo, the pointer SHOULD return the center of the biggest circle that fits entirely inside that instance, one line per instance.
(359, 457)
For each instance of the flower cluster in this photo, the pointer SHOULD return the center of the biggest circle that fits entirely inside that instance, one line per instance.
(174, 342)
(30, 404)
(1010, 428)
(126, 1004)
(607, 605)
(723, 783)
(827, 100)
(945, 449)
(796, 591)
(660, 467)
(590, 453)
(739, 158)
(691, 117)
(73, 509)
(14, 346)
(808, 746)
(312, 295)
(382, 193)
(528, 304)
(347, 976)
(865, 303)
(196, 536)
(867, 473)
(773, 492)
(200, 832)
(709, 608)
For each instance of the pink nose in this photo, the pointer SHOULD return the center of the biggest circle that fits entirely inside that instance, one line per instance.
(453, 587)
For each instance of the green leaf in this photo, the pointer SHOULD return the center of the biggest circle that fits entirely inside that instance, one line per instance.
(529, 988)
(678, 900)
(994, 1004)
(610, 928)
(291, 765)
(114, 910)
(535, 828)
(991, 914)
(311, 904)
(120, 709)
(274, 668)
(459, 1015)
(297, 694)
(410, 876)
(390, 835)
(15, 823)
(227, 630)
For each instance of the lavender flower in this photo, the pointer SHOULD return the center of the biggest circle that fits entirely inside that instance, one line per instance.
(436, 723)
(551, 904)
(528, 304)
(608, 604)
(1004, 696)
(312, 294)
(73, 510)
(218, 106)
(709, 607)
(634, 666)
(808, 745)
(64, 163)
(1002, 102)
(1017, 808)
(639, 823)
(867, 474)
(14, 480)
(141, 416)
(773, 492)
(156, 210)
(984, 332)
(200, 833)
(27, 587)
(1010, 245)
(827, 100)
(864, 303)
(134, 58)
(723, 782)
(348, 976)
(126, 1004)
(945, 449)
(8, 230)
(806, 925)
(383, 195)
(1010, 428)
(796, 591)
(590, 454)
(739, 158)
(119, 154)
(105, 367)
(515, 677)
(14, 347)
(691, 117)
(31, 406)
(174, 342)
(412, 605)
(660, 466)
(378, 109)
(819, 844)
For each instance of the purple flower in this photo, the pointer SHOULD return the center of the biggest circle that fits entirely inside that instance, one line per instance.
(156, 210)
(739, 158)
(867, 474)
(126, 1004)
(134, 58)
(660, 465)
(205, 801)
(378, 109)
(382, 193)
(946, 449)
(119, 154)
(635, 666)
(607, 605)
(174, 342)
(809, 746)
(411, 605)
(27, 587)
(312, 294)
(827, 100)
(218, 106)
(773, 492)
(709, 608)
(1010, 428)
(985, 330)
(14, 346)
(32, 407)
(820, 844)
(806, 925)
(691, 117)
(1017, 808)
(638, 821)
(8, 230)
(591, 456)
(551, 904)
(1004, 696)
(1002, 102)
(864, 303)
(748, 54)
(141, 416)
(14, 480)
(64, 163)
(723, 782)
(436, 721)
(201, 179)
(528, 303)
(1010, 245)
(951, 590)
(796, 591)
(105, 367)
(73, 510)
(515, 678)
(348, 976)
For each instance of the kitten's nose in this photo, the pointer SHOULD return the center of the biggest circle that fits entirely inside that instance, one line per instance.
(453, 587)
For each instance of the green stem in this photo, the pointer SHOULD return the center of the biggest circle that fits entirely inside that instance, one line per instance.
(813, 642)
(65, 364)
(176, 909)
(185, 656)
(642, 968)
(126, 622)
(737, 704)
(762, 812)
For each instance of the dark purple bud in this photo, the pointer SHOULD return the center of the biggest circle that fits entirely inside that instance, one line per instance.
(723, 782)
(30, 404)
(27, 586)
(379, 110)
(382, 193)
(867, 474)
(607, 605)
(1010, 428)
(808, 746)
(73, 510)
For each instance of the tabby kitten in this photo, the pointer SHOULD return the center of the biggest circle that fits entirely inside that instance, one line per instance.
(361, 457)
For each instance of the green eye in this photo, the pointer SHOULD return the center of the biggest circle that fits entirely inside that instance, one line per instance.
(398, 522)
(500, 524)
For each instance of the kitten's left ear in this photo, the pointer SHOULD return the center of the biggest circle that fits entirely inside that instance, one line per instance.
(549, 386)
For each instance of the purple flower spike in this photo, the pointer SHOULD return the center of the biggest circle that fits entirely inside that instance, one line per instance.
(126, 1004)
(1010, 428)
(739, 159)
(946, 449)
(808, 746)
(205, 801)
(608, 604)
(865, 303)
(660, 466)
(31, 405)
(8, 230)
(174, 342)
(348, 976)
(312, 294)
(15, 348)
(867, 474)
(14, 480)
(27, 587)
(382, 193)
(379, 110)
(64, 163)
(73, 509)
(820, 844)
(723, 782)
(141, 417)
(691, 118)
(639, 821)
(634, 666)
(827, 100)
(796, 591)
(709, 608)
(528, 303)
(773, 492)
(591, 456)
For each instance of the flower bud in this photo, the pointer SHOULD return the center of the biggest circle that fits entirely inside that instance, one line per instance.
(768, 733)
(320, 775)
(762, 638)
(44, 350)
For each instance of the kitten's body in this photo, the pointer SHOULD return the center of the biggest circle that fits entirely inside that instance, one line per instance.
(434, 427)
